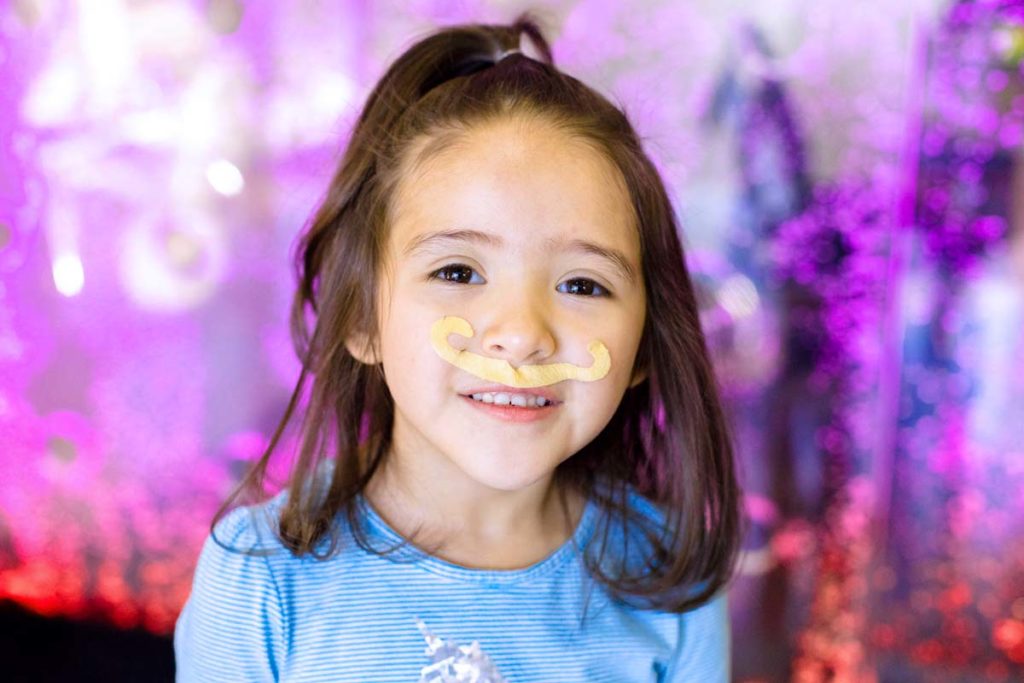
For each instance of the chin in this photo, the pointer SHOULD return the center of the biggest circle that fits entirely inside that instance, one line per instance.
(508, 479)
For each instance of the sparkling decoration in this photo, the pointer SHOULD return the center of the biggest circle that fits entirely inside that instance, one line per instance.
(830, 261)
(973, 122)
(453, 663)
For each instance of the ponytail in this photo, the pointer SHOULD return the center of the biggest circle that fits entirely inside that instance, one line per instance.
(439, 58)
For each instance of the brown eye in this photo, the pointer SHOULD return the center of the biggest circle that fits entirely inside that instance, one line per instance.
(457, 273)
(583, 287)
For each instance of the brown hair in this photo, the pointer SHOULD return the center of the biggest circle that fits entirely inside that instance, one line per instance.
(668, 439)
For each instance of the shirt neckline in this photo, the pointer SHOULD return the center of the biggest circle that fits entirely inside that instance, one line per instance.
(380, 529)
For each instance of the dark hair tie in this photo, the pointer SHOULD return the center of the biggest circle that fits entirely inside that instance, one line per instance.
(466, 68)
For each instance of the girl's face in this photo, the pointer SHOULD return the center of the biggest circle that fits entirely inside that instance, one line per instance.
(529, 235)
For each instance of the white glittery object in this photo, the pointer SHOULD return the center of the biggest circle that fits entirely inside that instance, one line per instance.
(453, 663)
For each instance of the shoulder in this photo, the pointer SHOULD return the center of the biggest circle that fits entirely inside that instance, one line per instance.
(703, 651)
(233, 622)
(251, 528)
(232, 568)
(703, 646)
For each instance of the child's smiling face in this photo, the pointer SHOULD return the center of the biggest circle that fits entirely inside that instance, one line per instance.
(542, 257)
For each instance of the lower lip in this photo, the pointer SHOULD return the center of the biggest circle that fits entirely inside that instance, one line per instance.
(512, 413)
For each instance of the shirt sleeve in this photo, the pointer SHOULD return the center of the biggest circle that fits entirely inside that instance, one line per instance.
(704, 651)
(231, 627)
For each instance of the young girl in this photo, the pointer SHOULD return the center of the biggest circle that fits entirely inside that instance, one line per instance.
(514, 464)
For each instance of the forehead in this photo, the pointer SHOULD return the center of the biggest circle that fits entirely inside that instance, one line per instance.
(524, 180)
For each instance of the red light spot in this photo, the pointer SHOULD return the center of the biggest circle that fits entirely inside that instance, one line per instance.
(1008, 634)
(955, 598)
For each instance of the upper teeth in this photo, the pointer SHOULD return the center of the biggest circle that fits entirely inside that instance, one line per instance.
(521, 400)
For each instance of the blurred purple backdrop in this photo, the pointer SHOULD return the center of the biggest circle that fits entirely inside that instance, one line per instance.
(850, 178)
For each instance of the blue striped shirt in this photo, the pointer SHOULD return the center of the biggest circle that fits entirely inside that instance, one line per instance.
(412, 617)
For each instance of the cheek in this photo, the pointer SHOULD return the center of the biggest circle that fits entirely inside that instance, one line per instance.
(623, 342)
(409, 349)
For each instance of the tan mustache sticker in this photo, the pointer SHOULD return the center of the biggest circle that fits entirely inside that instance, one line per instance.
(502, 372)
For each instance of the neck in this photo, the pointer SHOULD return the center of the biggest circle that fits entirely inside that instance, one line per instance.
(474, 526)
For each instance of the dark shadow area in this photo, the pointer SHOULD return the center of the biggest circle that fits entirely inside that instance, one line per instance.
(40, 649)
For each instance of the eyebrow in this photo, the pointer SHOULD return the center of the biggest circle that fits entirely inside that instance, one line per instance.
(617, 259)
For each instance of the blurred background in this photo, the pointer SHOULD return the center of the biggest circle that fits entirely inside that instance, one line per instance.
(850, 178)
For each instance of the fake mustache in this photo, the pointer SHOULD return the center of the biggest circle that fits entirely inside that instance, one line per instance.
(502, 372)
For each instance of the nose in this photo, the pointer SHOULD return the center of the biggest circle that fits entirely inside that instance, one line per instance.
(518, 330)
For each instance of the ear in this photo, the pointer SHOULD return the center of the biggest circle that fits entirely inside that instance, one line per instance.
(358, 344)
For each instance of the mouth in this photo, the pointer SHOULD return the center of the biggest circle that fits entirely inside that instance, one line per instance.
(517, 398)
(512, 407)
